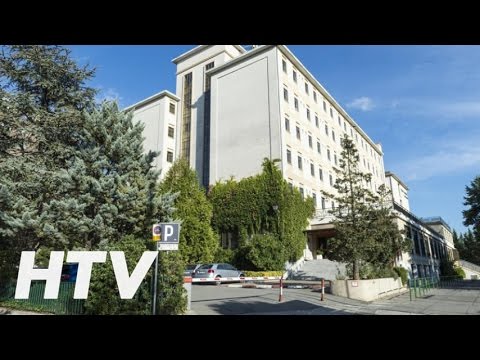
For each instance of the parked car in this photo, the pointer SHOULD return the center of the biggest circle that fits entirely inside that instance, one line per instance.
(69, 272)
(217, 271)
(190, 269)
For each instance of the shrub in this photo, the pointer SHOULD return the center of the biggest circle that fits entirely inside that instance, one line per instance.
(224, 256)
(262, 273)
(265, 252)
(459, 272)
(403, 273)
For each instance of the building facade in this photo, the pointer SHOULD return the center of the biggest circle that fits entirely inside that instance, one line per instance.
(234, 107)
(158, 113)
(432, 237)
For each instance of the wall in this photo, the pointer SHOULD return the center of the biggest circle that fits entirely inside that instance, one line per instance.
(367, 290)
(245, 126)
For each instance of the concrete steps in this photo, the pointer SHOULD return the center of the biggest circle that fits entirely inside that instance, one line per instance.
(314, 270)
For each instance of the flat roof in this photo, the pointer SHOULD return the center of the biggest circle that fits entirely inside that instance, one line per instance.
(199, 49)
(389, 173)
(309, 76)
(157, 96)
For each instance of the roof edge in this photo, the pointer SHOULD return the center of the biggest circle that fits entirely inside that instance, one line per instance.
(156, 96)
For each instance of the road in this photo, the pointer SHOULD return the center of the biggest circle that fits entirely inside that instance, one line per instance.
(222, 300)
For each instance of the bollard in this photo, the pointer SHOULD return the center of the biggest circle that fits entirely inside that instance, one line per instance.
(323, 289)
(280, 297)
(187, 285)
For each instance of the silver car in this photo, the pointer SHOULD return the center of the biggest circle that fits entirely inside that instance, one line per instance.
(215, 272)
(190, 269)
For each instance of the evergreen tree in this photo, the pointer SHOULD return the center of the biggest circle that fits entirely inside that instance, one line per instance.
(198, 243)
(42, 97)
(365, 230)
(458, 241)
(471, 215)
(108, 189)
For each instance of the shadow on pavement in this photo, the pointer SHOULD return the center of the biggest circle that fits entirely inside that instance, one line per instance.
(233, 307)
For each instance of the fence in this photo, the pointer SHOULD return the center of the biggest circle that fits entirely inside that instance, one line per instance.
(65, 304)
(419, 287)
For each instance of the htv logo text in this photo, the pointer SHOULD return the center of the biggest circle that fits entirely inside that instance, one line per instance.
(127, 284)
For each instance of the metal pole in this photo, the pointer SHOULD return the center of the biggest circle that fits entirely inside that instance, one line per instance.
(155, 280)
(323, 289)
(280, 297)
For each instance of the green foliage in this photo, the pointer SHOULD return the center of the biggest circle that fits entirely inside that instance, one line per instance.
(403, 273)
(172, 297)
(459, 272)
(372, 271)
(364, 224)
(264, 253)
(224, 256)
(262, 204)
(42, 99)
(25, 306)
(447, 268)
(103, 297)
(262, 273)
(198, 243)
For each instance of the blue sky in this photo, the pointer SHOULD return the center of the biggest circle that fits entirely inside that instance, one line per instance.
(422, 103)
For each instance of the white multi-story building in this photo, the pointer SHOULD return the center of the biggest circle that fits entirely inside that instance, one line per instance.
(238, 107)
(432, 237)
(234, 107)
(159, 115)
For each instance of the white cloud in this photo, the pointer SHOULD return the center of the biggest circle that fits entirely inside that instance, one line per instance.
(452, 157)
(362, 103)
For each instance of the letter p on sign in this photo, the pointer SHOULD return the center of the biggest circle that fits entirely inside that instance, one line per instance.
(170, 236)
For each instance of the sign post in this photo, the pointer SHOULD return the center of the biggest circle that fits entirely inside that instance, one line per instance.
(166, 236)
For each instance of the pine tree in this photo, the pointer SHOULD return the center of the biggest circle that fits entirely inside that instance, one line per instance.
(365, 230)
(42, 97)
(471, 215)
(198, 243)
(108, 189)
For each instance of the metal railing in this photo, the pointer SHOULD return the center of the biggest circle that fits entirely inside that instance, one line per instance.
(419, 287)
(469, 265)
(65, 304)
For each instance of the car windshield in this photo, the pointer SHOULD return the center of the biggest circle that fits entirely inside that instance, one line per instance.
(190, 267)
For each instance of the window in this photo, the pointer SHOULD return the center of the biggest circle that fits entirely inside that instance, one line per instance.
(169, 156)
(171, 131)
(284, 66)
(310, 142)
(314, 96)
(294, 76)
(324, 106)
(335, 158)
(289, 157)
(290, 185)
(344, 126)
(328, 154)
(316, 120)
(333, 135)
(312, 169)
(331, 113)
(326, 129)
(323, 203)
(333, 205)
(320, 174)
(207, 78)
(314, 196)
(287, 124)
(298, 133)
(301, 191)
(319, 149)
(339, 121)
(300, 163)
(306, 88)
(351, 133)
(172, 108)
(308, 114)
(285, 94)
(295, 101)
(331, 179)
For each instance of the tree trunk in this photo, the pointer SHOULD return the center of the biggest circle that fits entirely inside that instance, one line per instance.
(356, 270)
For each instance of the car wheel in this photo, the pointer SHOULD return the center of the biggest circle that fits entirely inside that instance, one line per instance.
(217, 280)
